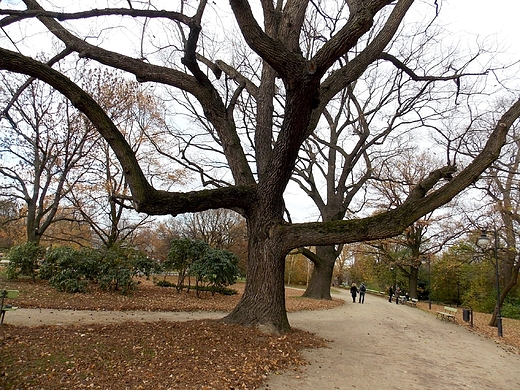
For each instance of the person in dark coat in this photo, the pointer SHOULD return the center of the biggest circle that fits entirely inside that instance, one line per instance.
(353, 292)
(390, 294)
(362, 290)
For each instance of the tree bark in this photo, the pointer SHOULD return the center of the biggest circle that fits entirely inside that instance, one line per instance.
(263, 301)
(412, 282)
(321, 277)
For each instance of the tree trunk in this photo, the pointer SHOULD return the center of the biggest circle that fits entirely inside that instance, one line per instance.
(503, 294)
(263, 302)
(412, 282)
(321, 278)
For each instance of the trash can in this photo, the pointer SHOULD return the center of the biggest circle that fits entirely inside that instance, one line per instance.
(466, 315)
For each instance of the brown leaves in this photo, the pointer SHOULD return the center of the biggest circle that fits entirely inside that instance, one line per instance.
(194, 354)
(162, 355)
(147, 297)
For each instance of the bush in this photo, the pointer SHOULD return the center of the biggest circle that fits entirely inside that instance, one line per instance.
(218, 268)
(145, 265)
(117, 270)
(183, 253)
(68, 269)
(24, 260)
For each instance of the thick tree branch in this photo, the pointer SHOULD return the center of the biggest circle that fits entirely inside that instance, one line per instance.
(420, 202)
(145, 198)
(16, 15)
(199, 86)
(360, 21)
(271, 50)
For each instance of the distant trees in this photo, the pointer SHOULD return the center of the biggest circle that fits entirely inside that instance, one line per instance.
(100, 200)
(501, 184)
(43, 153)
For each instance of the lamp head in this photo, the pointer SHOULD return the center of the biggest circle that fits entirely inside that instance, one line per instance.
(483, 240)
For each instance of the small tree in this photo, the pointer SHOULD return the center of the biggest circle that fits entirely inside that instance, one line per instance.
(218, 268)
(182, 254)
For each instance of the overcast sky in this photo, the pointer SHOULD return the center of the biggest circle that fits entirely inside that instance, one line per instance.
(485, 18)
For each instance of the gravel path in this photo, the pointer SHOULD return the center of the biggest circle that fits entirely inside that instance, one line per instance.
(375, 345)
(378, 345)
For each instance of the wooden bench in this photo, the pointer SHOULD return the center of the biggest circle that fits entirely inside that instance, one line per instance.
(448, 314)
(4, 307)
(412, 302)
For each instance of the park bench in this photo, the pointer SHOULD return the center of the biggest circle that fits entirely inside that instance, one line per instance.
(4, 307)
(412, 302)
(448, 314)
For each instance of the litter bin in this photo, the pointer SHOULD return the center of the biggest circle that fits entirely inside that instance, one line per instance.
(466, 313)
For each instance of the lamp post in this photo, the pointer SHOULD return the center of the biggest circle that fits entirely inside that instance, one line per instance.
(394, 270)
(483, 242)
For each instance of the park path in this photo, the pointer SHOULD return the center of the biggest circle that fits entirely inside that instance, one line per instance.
(375, 345)
(381, 345)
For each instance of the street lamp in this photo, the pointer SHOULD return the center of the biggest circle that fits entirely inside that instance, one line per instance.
(428, 260)
(394, 270)
(483, 242)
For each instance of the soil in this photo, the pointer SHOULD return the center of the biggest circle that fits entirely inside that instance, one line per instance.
(373, 345)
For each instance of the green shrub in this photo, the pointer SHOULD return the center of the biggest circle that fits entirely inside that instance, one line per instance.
(68, 269)
(182, 255)
(511, 307)
(217, 268)
(116, 269)
(24, 260)
(144, 265)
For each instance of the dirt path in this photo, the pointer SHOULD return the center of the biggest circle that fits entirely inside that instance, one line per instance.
(35, 317)
(378, 345)
(375, 345)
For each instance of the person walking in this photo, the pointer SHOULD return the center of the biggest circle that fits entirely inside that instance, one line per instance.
(390, 294)
(353, 292)
(362, 290)
(397, 295)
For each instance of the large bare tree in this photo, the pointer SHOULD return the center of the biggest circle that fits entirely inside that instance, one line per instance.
(172, 49)
(44, 152)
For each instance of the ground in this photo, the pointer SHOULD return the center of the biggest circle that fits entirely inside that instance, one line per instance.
(206, 354)
(198, 354)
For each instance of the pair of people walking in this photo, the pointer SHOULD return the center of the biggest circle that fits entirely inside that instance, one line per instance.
(354, 290)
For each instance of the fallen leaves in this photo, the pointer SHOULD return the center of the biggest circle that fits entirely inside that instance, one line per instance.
(161, 355)
(157, 355)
